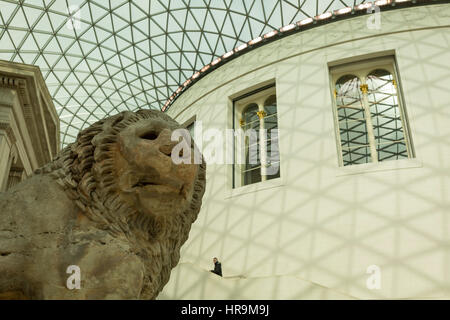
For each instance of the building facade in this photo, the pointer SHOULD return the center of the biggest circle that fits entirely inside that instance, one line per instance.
(29, 124)
(359, 206)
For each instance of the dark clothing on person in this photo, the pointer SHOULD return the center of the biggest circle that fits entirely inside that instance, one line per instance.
(217, 268)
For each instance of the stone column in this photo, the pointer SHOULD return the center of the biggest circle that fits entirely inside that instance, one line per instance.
(15, 176)
(6, 157)
(29, 124)
(262, 141)
(371, 135)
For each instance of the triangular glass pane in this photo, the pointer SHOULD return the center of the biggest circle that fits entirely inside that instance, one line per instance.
(156, 7)
(7, 44)
(8, 10)
(44, 24)
(32, 14)
(17, 36)
(118, 22)
(141, 5)
(105, 23)
(156, 28)
(65, 42)
(57, 20)
(51, 58)
(97, 11)
(18, 20)
(28, 57)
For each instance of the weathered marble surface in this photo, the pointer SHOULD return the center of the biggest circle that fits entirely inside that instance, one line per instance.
(113, 203)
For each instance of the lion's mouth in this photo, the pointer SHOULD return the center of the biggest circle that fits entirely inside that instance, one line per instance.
(141, 184)
(160, 186)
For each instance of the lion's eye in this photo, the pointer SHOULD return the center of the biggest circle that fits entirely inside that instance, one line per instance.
(150, 136)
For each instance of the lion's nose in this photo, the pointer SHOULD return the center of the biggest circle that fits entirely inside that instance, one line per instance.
(162, 140)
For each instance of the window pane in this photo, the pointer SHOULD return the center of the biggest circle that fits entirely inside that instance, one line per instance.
(253, 170)
(252, 125)
(270, 122)
(249, 115)
(252, 176)
(271, 126)
(252, 159)
(352, 121)
(348, 92)
(354, 136)
(356, 155)
(270, 105)
(392, 151)
(276, 175)
(386, 117)
(273, 157)
(251, 122)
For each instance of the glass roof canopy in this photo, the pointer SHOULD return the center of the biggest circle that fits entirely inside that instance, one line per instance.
(102, 57)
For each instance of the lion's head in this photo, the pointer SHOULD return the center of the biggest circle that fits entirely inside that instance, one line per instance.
(120, 173)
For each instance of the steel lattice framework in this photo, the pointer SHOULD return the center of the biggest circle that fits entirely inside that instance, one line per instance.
(103, 57)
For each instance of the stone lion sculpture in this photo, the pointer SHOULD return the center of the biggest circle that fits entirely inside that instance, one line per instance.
(112, 204)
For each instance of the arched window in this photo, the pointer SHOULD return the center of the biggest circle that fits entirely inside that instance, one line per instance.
(256, 114)
(370, 118)
(252, 167)
(386, 116)
(352, 121)
(271, 125)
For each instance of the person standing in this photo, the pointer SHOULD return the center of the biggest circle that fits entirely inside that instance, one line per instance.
(217, 267)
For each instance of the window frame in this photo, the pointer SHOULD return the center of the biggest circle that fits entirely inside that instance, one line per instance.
(189, 122)
(239, 104)
(361, 69)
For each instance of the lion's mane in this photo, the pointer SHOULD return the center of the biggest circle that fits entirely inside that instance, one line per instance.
(85, 170)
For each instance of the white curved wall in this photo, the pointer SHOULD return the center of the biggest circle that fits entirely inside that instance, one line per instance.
(321, 225)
